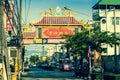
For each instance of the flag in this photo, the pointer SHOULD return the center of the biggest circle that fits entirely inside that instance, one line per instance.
(96, 55)
(89, 51)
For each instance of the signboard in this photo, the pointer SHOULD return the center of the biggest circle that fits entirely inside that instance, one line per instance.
(30, 34)
(38, 41)
(9, 24)
(56, 40)
(9, 21)
(56, 32)
(28, 41)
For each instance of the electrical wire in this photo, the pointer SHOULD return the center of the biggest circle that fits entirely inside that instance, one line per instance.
(17, 11)
(27, 10)
(25, 13)
(69, 9)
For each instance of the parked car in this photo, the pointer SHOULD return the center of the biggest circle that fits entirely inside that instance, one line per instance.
(66, 65)
(26, 67)
(96, 69)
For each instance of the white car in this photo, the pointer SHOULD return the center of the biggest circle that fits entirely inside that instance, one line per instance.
(26, 67)
(96, 69)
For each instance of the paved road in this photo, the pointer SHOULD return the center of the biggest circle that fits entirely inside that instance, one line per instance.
(39, 74)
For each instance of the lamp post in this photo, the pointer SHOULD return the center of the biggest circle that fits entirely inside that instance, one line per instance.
(90, 22)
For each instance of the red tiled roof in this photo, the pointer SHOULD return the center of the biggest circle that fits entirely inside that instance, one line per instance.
(58, 21)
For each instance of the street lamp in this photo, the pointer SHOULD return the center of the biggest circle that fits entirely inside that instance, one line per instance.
(90, 22)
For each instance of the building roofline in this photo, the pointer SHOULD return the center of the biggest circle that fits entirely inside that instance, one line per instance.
(58, 21)
(57, 24)
(101, 4)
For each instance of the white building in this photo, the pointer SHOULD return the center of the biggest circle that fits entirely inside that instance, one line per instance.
(107, 12)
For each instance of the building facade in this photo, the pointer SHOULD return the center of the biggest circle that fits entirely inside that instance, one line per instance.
(107, 12)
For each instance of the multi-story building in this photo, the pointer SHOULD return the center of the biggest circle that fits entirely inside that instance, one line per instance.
(107, 12)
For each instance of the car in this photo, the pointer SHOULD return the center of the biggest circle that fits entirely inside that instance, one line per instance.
(26, 67)
(65, 67)
(96, 69)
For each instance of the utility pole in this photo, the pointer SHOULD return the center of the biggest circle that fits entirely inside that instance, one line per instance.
(19, 35)
(1, 38)
(3, 44)
(90, 22)
(115, 47)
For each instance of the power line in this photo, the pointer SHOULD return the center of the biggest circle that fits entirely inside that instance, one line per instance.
(69, 9)
(27, 10)
(25, 13)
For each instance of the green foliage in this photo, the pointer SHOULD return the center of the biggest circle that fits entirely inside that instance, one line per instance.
(79, 42)
(34, 59)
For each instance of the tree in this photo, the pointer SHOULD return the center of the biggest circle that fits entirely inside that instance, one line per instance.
(79, 42)
(34, 59)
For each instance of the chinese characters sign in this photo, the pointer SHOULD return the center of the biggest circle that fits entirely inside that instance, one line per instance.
(56, 32)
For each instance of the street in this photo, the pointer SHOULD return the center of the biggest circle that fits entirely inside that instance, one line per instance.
(40, 74)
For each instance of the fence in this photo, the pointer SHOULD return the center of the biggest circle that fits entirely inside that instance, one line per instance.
(108, 63)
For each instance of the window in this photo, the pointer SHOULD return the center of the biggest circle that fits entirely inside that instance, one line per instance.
(0, 58)
(76, 30)
(39, 33)
(112, 20)
(117, 20)
(105, 50)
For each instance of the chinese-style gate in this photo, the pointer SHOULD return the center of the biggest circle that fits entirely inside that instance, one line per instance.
(51, 27)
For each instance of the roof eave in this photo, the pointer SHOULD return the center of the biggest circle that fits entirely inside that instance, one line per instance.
(57, 24)
(95, 6)
(100, 3)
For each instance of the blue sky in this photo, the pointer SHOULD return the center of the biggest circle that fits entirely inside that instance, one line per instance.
(37, 6)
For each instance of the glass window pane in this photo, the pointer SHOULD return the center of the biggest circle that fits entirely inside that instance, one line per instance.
(112, 20)
(76, 30)
(39, 33)
(117, 20)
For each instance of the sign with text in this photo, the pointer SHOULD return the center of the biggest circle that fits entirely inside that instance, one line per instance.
(30, 34)
(28, 41)
(56, 40)
(56, 32)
